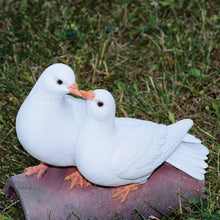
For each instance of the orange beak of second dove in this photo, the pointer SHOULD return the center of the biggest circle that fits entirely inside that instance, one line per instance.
(88, 95)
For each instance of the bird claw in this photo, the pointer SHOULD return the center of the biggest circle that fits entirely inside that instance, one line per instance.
(77, 179)
(39, 170)
(125, 191)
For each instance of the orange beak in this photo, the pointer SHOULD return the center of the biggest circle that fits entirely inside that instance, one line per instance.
(73, 88)
(88, 95)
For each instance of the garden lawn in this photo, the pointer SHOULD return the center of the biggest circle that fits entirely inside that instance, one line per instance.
(160, 60)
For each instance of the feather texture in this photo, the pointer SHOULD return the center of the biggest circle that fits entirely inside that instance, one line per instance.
(190, 158)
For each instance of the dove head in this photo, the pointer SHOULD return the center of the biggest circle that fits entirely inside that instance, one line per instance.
(57, 79)
(102, 105)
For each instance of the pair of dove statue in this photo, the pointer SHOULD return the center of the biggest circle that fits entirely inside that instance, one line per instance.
(62, 130)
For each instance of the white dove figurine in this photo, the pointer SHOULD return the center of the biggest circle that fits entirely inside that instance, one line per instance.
(48, 121)
(120, 151)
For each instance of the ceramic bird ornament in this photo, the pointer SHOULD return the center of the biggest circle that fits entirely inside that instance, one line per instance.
(48, 121)
(124, 151)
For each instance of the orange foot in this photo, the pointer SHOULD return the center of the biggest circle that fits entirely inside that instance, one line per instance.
(125, 191)
(77, 179)
(39, 170)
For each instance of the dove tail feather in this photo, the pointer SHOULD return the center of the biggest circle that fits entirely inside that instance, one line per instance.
(190, 158)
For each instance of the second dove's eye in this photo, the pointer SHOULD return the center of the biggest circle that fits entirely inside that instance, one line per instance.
(59, 81)
(100, 104)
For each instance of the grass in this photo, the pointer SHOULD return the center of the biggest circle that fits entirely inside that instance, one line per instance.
(160, 59)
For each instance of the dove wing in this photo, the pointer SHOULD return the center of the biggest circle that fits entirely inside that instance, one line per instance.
(139, 151)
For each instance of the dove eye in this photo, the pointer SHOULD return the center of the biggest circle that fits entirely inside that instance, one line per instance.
(59, 81)
(100, 104)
